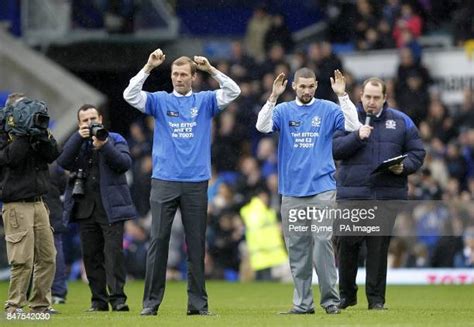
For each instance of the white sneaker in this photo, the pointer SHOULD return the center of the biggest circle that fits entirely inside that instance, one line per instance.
(58, 300)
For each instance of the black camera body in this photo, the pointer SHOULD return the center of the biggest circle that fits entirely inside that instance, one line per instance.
(98, 130)
(79, 180)
(26, 117)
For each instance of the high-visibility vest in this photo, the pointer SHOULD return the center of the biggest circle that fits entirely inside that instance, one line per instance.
(263, 235)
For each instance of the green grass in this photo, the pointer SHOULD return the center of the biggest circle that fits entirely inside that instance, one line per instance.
(257, 304)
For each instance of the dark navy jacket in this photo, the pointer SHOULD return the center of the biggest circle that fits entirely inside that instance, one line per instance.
(394, 134)
(114, 161)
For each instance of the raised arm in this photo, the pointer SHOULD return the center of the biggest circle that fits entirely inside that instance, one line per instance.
(264, 119)
(338, 84)
(229, 90)
(134, 94)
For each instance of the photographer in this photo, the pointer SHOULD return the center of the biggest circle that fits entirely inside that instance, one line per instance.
(24, 159)
(98, 198)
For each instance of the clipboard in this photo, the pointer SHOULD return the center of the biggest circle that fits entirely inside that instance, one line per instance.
(389, 162)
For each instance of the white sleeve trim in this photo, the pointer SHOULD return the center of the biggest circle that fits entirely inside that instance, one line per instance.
(265, 118)
(228, 92)
(351, 119)
(134, 94)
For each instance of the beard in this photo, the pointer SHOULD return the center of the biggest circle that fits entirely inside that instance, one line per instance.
(305, 99)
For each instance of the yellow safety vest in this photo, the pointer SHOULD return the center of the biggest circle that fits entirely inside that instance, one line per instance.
(264, 239)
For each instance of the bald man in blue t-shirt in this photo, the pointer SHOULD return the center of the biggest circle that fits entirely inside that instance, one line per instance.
(181, 169)
(306, 182)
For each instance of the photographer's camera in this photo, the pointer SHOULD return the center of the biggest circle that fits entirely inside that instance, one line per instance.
(98, 130)
(78, 190)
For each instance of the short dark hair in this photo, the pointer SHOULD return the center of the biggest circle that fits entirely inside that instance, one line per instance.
(376, 82)
(304, 73)
(181, 61)
(13, 98)
(86, 107)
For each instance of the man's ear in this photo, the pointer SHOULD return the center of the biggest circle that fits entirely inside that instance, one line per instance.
(293, 85)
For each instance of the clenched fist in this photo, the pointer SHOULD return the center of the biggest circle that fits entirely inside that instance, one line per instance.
(203, 64)
(155, 59)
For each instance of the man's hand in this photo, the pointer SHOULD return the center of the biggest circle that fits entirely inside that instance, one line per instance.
(98, 143)
(84, 131)
(279, 86)
(155, 59)
(338, 83)
(203, 64)
(364, 132)
(396, 169)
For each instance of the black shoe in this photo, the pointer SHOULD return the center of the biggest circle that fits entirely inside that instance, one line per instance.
(96, 308)
(332, 309)
(149, 312)
(347, 303)
(377, 306)
(121, 307)
(296, 312)
(199, 313)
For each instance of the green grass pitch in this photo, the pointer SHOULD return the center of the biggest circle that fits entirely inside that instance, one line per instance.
(257, 304)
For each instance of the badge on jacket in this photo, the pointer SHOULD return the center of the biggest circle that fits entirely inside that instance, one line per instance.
(391, 124)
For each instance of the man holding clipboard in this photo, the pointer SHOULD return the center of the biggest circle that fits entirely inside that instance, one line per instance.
(375, 162)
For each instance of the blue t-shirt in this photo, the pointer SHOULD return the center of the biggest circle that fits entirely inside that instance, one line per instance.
(182, 135)
(305, 163)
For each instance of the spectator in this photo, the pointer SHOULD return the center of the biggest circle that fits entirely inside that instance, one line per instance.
(257, 28)
(250, 179)
(223, 239)
(365, 19)
(408, 20)
(325, 62)
(226, 145)
(278, 33)
(266, 154)
(450, 243)
(456, 164)
(242, 66)
(465, 258)
(391, 11)
(414, 99)
(263, 236)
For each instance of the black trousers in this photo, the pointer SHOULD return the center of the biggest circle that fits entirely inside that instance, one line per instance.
(348, 248)
(165, 198)
(104, 261)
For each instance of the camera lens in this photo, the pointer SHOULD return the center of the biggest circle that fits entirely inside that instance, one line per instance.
(41, 120)
(78, 190)
(99, 131)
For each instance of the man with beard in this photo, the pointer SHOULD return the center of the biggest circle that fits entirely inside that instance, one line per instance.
(306, 182)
